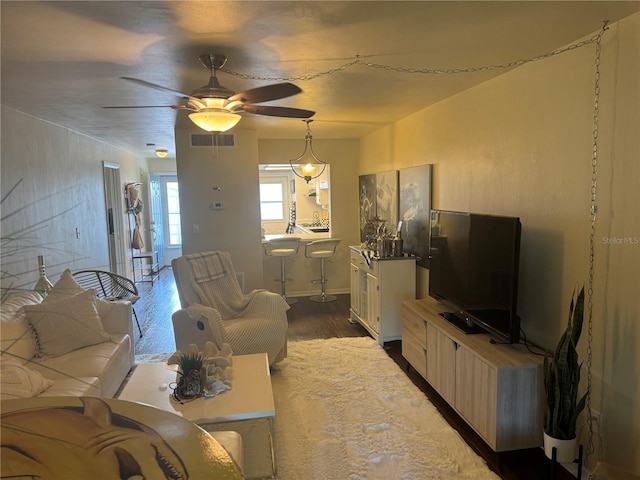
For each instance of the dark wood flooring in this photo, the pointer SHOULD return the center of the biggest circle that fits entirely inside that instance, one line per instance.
(310, 320)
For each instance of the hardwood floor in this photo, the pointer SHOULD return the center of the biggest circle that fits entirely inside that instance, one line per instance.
(157, 303)
(310, 320)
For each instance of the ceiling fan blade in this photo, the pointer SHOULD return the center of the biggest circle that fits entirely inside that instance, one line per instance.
(175, 107)
(266, 93)
(278, 111)
(144, 83)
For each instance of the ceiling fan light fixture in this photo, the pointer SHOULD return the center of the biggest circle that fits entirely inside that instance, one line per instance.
(214, 102)
(215, 120)
(161, 152)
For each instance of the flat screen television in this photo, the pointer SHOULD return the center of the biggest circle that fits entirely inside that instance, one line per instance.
(474, 271)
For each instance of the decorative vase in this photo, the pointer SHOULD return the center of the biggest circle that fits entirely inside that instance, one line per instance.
(43, 286)
(565, 449)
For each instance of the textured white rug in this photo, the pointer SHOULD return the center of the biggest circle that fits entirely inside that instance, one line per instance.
(152, 357)
(345, 410)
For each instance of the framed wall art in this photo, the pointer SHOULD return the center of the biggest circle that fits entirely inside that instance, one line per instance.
(378, 201)
(415, 210)
(387, 199)
(367, 195)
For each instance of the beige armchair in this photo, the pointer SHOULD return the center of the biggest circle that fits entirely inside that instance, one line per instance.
(214, 308)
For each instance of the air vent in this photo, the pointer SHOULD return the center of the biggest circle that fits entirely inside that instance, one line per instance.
(211, 140)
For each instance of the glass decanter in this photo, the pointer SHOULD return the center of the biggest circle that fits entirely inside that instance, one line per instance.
(43, 285)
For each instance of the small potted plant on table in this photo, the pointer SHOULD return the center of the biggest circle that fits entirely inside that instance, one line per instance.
(561, 382)
(190, 383)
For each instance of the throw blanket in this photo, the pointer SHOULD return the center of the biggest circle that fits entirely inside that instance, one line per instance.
(206, 266)
(256, 322)
(211, 281)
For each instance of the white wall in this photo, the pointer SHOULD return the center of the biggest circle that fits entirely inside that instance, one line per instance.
(236, 228)
(521, 145)
(58, 173)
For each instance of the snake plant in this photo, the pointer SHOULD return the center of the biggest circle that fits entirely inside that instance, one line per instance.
(562, 377)
(187, 362)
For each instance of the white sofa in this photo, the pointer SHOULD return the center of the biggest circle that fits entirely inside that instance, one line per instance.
(27, 365)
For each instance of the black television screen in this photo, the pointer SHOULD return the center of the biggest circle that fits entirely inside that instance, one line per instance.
(474, 271)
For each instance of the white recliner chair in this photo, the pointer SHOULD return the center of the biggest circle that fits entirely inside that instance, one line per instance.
(215, 309)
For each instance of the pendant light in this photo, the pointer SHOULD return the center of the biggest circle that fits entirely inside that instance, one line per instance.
(307, 166)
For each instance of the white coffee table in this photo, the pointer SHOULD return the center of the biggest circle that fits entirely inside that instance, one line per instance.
(247, 408)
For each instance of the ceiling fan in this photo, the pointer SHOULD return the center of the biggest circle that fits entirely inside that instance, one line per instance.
(215, 108)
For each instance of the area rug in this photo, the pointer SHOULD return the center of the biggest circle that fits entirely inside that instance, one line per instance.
(152, 357)
(345, 410)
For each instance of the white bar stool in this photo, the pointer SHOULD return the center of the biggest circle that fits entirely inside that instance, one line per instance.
(283, 247)
(322, 249)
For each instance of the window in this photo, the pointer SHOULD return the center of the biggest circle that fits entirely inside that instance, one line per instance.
(173, 214)
(271, 200)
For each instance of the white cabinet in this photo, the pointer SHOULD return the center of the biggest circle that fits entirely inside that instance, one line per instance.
(496, 388)
(322, 188)
(378, 288)
(355, 289)
(373, 307)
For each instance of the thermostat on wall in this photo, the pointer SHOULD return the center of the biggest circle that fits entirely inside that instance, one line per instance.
(217, 205)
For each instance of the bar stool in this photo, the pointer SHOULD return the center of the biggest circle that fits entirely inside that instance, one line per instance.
(322, 249)
(283, 247)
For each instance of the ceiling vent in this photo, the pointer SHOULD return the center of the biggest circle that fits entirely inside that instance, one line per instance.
(209, 140)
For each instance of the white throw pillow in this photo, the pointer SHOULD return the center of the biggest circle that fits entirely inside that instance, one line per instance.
(16, 336)
(67, 286)
(64, 287)
(61, 326)
(19, 381)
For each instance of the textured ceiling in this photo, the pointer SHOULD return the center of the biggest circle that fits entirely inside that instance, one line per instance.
(61, 61)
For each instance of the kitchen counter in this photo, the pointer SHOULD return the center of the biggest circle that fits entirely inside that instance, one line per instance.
(304, 237)
(311, 229)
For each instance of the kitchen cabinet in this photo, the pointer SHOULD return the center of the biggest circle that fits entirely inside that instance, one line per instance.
(378, 288)
(322, 191)
(496, 388)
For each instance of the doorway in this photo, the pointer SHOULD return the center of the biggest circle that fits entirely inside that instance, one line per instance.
(165, 217)
(114, 213)
(156, 228)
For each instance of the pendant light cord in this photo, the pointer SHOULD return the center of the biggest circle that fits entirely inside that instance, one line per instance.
(592, 234)
(424, 71)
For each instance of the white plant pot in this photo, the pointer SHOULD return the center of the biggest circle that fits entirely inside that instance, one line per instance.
(565, 449)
